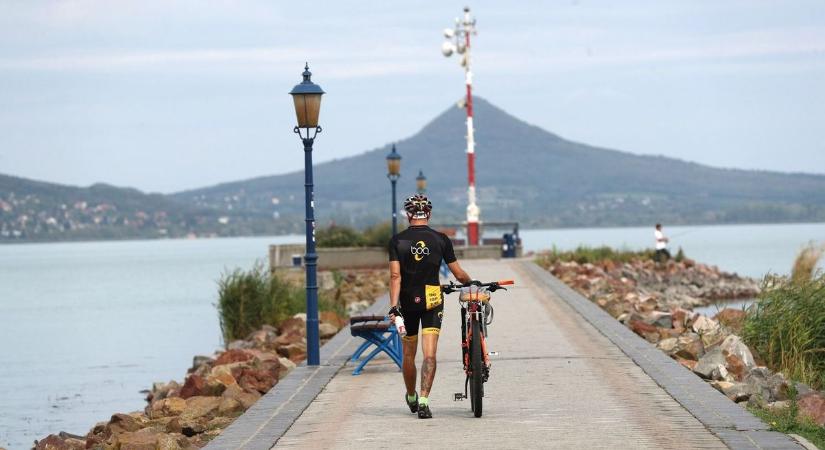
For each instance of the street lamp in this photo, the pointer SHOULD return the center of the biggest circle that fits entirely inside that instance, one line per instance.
(307, 98)
(421, 182)
(394, 173)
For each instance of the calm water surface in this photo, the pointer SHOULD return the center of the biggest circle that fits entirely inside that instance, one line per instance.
(85, 326)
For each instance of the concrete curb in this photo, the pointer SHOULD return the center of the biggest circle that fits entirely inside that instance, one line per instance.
(272, 415)
(734, 425)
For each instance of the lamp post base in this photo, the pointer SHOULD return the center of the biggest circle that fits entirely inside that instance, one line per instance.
(472, 233)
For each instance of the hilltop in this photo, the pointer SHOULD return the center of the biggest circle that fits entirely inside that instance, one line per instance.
(524, 173)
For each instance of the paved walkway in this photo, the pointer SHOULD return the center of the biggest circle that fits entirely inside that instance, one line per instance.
(557, 383)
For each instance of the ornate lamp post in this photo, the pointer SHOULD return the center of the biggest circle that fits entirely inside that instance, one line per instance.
(307, 98)
(421, 182)
(394, 173)
(458, 41)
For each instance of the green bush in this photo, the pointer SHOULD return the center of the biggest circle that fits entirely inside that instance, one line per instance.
(583, 254)
(786, 327)
(249, 299)
(338, 236)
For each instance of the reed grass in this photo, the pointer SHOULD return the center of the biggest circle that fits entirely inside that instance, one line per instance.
(786, 327)
(805, 263)
(250, 299)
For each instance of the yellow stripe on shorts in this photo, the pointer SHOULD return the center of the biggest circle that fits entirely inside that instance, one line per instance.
(409, 338)
(431, 330)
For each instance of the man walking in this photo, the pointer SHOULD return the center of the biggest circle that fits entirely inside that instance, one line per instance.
(662, 254)
(415, 294)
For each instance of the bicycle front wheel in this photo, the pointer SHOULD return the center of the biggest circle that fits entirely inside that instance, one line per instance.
(476, 362)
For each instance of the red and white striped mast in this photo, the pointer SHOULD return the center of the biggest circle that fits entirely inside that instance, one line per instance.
(458, 41)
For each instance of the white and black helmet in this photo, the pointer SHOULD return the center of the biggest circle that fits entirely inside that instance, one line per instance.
(418, 206)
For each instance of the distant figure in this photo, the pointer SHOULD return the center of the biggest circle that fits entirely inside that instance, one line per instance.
(661, 245)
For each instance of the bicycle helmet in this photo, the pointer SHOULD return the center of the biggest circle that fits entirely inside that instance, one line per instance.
(418, 206)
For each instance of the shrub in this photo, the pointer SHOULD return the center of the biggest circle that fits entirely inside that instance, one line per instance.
(338, 236)
(805, 263)
(249, 299)
(786, 326)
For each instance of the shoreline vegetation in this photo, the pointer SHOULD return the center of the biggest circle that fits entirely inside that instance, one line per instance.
(263, 321)
(768, 358)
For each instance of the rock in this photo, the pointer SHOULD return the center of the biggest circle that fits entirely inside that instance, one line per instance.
(333, 318)
(661, 319)
(712, 337)
(239, 345)
(668, 345)
(812, 406)
(252, 380)
(778, 406)
(163, 390)
(246, 399)
(710, 363)
(288, 338)
(689, 363)
(296, 352)
(690, 347)
(229, 406)
(188, 426)
(327, 330)
(703, 325)
(194, 385)
(145, 439)
(720, 372)
(294, 324)
(201, 360)
(801, 389)
(120, 423)
(172, 406)
(738, 392)
(770, 387)
(679, 318)
(233, 356)
(736, 367)
(51, 442)
(734, 319)
(645, 330)
(199, 407)
(219, 423)
(733, 345)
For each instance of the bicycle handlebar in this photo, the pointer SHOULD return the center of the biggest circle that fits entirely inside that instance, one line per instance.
(492, 286)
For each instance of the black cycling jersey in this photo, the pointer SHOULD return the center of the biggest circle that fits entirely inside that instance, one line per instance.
(420, 249)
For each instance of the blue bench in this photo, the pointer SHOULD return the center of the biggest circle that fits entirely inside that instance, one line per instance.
(376, 331)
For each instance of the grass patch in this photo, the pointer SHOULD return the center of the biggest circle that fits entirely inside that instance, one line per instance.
(250, 299)
(593, 255)
(788, 421)
(786, 327)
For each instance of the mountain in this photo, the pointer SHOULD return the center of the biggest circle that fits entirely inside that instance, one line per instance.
(524, 173)
(527, 174)
(38, 211)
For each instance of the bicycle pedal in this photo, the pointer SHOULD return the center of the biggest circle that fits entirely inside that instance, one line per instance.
(459, 396)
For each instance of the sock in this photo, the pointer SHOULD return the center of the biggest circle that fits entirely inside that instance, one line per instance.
(423, 401)
(410, 398)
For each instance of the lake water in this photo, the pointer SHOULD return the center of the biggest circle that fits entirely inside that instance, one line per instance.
(85, 326)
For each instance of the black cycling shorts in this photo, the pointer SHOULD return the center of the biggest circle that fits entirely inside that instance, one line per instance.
(430, 321)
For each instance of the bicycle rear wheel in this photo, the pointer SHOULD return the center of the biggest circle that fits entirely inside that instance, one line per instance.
(476, 362)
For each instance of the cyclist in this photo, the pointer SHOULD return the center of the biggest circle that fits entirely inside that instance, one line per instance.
(415, 294)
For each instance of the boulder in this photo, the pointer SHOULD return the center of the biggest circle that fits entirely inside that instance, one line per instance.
(229, 406)
(233, 356)
(733, 345)
(709, 364)
(643, 329)
(690, 364)
(297, 352)
(246, 399)
(120, 423)
(812, 406)
(294, 324)
(252, 380)
(187, 426)
(669, 345)
(327, 330)
(199, 361)
(145, 439)
(738, 392)
(240, 344)
(194, 385)
(172, 406)
(690, 347)
(703, 324)
(163, 390)
(712, 337)
(333, 318)
(199, 407)
(769, 387)
(288, 338)
(778, 406)
(737, 368)
(52, 442)
(734, 319)
(660, 319)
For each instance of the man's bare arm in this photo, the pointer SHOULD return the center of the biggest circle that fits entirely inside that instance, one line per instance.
(395, 282)
(458, 272)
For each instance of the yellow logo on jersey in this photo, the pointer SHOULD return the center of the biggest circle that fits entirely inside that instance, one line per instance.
(419, 250)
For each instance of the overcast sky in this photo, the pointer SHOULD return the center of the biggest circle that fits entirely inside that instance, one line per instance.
(170, 95)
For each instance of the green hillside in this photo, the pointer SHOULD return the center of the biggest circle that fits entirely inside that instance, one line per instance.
(527, 174)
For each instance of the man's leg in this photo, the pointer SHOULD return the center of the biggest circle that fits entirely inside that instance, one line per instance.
(429, 346)
(410, 345)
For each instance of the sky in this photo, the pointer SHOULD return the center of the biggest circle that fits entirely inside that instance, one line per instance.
(173, 95)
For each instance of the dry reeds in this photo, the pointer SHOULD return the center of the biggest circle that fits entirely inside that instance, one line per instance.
(805, 263)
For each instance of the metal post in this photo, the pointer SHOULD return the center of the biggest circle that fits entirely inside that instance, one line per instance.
(473, 211)
(311, 262)
(393, 180)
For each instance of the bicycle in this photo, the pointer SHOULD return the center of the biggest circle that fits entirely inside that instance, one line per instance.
(476, 315)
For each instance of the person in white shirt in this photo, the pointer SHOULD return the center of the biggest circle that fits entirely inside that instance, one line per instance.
(662, 254)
